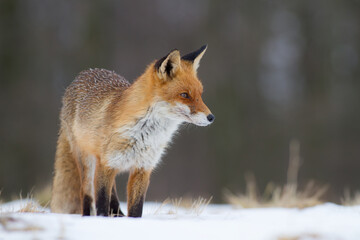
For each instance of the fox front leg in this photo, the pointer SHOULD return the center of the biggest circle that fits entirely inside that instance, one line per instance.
(114, 203)
(105, 182)
(88, 163)
(136, 190)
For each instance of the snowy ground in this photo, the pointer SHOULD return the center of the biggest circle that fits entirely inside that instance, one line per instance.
(327, 221)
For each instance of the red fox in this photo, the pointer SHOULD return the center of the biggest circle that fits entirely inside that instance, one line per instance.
(110, 126)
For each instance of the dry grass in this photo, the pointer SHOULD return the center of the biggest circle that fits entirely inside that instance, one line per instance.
(43, 196)
(193, 206)
(276, 196)
(31, 207)
(350, 199)
(288, 195)
(25, 205)
(196, 206)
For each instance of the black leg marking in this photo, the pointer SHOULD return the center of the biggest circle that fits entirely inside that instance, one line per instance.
(102, 203)
(114, 204)
(137, 208)
(87, 201)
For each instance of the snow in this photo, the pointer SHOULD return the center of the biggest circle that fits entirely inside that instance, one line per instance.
(328, 221)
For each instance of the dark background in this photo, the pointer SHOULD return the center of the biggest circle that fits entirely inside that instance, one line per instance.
(274, 71)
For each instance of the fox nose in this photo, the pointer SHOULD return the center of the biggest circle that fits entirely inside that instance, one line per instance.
(210, 117)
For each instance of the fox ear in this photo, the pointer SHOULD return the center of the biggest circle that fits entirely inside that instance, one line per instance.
(195, 57)
(167, 66)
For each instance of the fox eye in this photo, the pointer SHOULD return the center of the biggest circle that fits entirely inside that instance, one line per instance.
(184, 95)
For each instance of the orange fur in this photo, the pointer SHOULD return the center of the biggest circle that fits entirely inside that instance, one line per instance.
(102, 121)
(138, 183)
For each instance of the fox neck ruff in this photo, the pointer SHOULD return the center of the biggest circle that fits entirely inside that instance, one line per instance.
(145, 140)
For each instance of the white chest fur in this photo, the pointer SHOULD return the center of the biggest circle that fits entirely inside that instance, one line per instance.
(147, 138)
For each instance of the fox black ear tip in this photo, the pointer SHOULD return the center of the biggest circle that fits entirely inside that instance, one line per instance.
(173, 51)
(204, 47)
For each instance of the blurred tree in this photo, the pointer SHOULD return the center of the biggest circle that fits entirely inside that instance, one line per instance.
(274, 71)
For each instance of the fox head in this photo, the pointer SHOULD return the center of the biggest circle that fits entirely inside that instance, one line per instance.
(180, 87)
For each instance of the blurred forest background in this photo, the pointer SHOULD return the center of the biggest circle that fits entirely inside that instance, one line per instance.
(274, 71)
